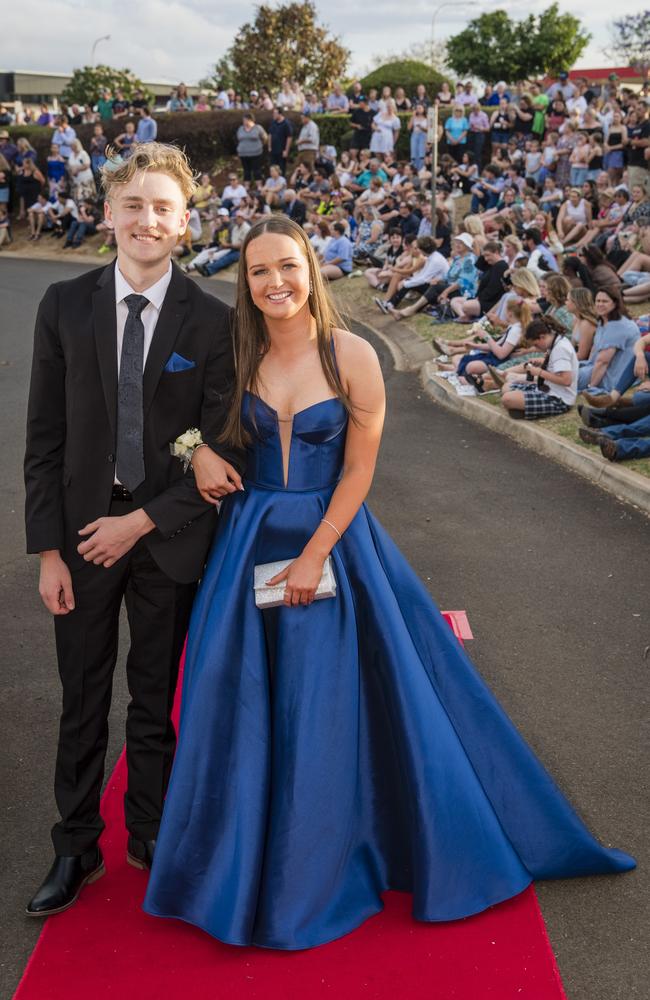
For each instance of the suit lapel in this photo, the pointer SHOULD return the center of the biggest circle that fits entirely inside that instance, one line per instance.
(105, 329)
(168, 326)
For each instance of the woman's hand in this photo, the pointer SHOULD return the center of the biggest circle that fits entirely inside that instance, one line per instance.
(640, 366)
(302, 578)
(215, 478)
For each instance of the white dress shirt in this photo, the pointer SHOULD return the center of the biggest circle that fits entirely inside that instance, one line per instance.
(149, 315)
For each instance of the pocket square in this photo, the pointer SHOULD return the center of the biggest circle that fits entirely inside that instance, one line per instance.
(177, 363)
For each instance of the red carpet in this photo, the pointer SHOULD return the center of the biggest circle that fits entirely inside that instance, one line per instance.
(105, 948)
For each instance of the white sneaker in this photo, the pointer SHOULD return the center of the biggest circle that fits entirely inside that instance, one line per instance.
(466, 390)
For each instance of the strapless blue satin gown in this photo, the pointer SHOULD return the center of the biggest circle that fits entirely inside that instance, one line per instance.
(329, 753)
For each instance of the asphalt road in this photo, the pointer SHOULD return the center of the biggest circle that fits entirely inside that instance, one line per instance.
(551, 571)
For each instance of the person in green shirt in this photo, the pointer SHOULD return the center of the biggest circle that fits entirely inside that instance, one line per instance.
(540, 104)
(105, 105)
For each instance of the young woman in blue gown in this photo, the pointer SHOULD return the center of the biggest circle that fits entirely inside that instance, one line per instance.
(332, 749)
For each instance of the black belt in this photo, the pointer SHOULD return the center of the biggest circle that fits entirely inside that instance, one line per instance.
(121, 493)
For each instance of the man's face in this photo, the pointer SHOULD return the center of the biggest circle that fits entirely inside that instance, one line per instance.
(148, 216)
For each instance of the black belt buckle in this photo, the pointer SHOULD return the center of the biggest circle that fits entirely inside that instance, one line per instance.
(121, 493)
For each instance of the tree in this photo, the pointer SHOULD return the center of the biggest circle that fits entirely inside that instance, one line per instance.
(493, 47)
(631, 39)
(222, 76)
(286, 41)
(85, 85)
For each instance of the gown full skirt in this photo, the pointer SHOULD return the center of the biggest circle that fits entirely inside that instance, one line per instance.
(329, 753)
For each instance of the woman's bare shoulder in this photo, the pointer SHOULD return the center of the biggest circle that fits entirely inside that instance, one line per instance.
(352, 350)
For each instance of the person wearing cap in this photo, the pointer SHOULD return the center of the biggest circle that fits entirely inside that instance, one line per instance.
(308, 140)
(253, 98)
(561, 88)
(280, 139)
(230, 247)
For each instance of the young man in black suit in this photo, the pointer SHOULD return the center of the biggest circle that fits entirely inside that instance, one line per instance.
(126, 359)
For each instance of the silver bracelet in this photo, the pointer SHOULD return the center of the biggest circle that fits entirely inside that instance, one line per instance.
(333, 526)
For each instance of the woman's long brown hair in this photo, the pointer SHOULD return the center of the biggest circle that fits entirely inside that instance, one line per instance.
(251, 338)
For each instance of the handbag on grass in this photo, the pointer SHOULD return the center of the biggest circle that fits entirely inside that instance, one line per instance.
(273, 597)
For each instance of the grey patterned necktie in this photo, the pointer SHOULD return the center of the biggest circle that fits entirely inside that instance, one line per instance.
(130, 418)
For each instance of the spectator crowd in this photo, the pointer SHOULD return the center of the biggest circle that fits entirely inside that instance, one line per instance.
(538, 238)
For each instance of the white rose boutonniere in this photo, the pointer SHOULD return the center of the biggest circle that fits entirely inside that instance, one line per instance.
(185, 445)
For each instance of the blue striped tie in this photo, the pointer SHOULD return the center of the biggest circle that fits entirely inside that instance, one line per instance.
(130, 417)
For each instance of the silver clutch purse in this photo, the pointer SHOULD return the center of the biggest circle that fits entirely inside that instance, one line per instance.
(273, 597)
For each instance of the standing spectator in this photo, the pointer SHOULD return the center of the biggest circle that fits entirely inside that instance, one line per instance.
(456, 129)
(251, 139)
(55, 170)
(120, 105)
(501, 125)
(337, 259)
(147, 129)
(361, 124)
(63, 136)
(308, 140)
(181, 101)
(312, 105)
(385, 129)
(638, 136)
(285, 95)
(45, 118)
(29, 184)
(421, 96)
(418, 126)
(522, 121)
(402, 102)
(479, 126)
(579, 161)
(202, 103)
(82, 181)
(614, 148)
(280, 139)
(24, 151)
(355, 94)
(337, 102)
(105, 105)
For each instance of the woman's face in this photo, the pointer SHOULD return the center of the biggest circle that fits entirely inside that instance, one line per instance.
(395, 240)
(570, 304)
(574, 196)
(277, 272)
(637, 193)
(540, 221)
(503, 103)
(604, 305)
(543, 290)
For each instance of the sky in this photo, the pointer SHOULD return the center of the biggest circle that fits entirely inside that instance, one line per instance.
(181, 39)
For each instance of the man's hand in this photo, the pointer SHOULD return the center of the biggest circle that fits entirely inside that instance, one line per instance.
(112, 537)
(215, 478)
(55, 584)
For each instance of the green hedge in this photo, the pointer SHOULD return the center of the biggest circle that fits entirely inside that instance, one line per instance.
(209, 137)
(406, 73)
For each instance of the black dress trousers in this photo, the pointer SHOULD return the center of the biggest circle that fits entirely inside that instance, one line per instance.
(158, 611)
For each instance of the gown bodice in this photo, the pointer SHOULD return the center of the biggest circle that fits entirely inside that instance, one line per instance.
(317, 445)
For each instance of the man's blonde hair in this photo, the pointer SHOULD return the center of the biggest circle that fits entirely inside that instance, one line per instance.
(156, 156)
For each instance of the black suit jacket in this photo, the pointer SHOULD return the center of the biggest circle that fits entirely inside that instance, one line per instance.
(72, 415)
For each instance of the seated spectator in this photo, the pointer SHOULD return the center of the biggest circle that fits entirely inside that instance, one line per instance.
(37, 215)
(82, 182)
(62, 213)
(462, 277)
(621, 434)
(489, 290)
(234, 192)
(613, 346)
(45, 118)
(337, 259)
(379, 276)
(231, 246)
(540, 259)
(636, 371)
(485, 193)
(555, 290)
(433, 268)
(456, 129)
(369, 234)
(580, 304)
(321, 236)
(147, 129)
(551, 388)
(98, 144)
(464, 175)
(273, 186)
(84, 225)
(574, 218)
(602, 274)
(5, 232)
(294, 206)
(473, 357)
(181, 101)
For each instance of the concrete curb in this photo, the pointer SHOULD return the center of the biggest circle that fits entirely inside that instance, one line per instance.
(623, 483)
